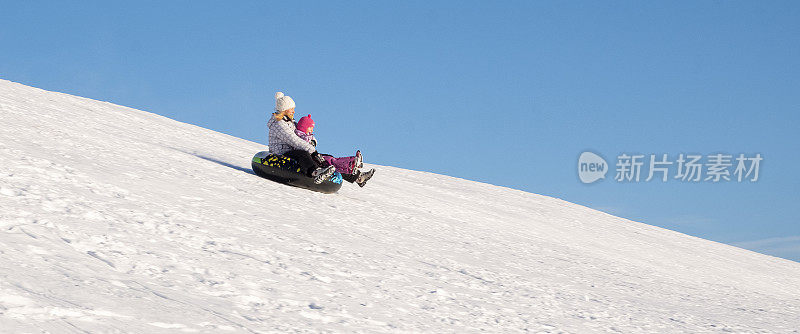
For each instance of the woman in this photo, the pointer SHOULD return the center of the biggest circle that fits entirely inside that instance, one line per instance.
(283, 140)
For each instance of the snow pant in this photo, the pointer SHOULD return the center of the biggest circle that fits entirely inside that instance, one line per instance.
(305, 160)
(344, 165)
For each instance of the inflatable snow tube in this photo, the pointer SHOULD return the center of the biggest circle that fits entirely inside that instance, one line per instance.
(284, 170)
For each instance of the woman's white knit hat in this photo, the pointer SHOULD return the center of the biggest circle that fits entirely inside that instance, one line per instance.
(283, 102)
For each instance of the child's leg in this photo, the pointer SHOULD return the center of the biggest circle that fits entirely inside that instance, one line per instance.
(343, 165)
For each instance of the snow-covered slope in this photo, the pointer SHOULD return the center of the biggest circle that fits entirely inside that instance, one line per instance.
(117, 220)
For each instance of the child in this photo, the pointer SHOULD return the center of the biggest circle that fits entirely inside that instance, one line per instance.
(347, 166)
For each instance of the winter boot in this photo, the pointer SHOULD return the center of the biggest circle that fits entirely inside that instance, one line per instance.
(359, 162)
(320, 174)
(364, 177)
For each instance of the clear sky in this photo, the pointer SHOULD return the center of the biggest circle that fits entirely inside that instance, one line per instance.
(504, 92)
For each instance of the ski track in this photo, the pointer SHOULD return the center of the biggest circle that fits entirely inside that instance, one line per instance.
(117, 220)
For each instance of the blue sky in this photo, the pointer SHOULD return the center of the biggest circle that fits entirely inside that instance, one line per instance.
(508, 93)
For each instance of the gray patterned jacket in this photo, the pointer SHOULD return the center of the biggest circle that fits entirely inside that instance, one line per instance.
(282, 138)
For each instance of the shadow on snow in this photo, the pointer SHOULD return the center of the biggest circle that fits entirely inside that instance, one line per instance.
(226, 164)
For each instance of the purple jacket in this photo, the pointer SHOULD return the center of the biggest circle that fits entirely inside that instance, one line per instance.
(307, 137)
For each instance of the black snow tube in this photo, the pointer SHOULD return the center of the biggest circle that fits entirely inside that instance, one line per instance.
(284, 170)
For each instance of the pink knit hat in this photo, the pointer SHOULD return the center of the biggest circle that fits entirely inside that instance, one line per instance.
(304, 123)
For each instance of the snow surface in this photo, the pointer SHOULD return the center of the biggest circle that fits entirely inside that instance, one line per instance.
(118, 220)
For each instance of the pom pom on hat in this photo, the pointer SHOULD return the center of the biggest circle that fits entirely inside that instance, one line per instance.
(283, 102)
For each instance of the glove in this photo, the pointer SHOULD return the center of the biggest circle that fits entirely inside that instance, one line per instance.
(318, 159)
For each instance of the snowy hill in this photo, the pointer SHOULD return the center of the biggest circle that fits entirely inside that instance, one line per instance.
(119, 220)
